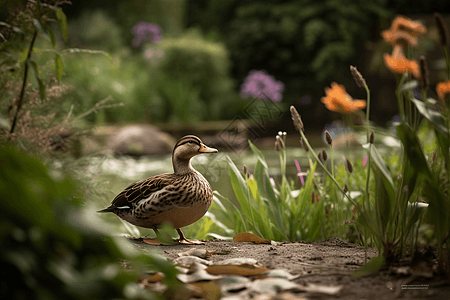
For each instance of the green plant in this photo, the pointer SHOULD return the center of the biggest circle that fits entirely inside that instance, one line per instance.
(96, 30)
(128, 80)
(202, 66)
(392, 209)
(25, 22)
(278, 211)
(54, 248)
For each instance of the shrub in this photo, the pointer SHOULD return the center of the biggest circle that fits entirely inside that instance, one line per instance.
(126, 80)
(96, 30)
(204, 66)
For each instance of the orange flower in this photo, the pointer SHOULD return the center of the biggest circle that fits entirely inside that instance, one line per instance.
(443, 89)
(399, 64)
(403, 31)
(337, 99)
(399, 38)
(406, 24)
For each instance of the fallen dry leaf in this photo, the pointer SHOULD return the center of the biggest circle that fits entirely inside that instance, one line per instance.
(187, 261)
(157, 287)
(250, 237)
(281, 296)
(202, 253)
(199, 275)
(183, 292)
(280, 273)
(209, 290)
(155, 242)
(157, 277)
(272, 286)
(233, 283)
(239, 261)
(243, 270)
(323, 289)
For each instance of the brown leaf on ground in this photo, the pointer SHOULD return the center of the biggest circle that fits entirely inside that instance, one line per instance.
(281, 296)
(202, 253)
(187, 261)
(157, 277)
(243, 270)
(199, 275)
(210, 290)
(250, 237)
(155, 242)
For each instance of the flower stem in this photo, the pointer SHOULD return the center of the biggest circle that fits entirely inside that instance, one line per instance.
(367, 111)
(326, 170)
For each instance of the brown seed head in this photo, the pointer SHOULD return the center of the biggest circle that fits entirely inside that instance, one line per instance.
(313, 196)
(359, 79)
(324, 155)
(328, 138)
(371, 137)
(349, 166)
(345, 188)
(424, 79)
(320, 156)
(442, 29)
(303, 145)
(245, 170)
(279, 143)
(298, 124)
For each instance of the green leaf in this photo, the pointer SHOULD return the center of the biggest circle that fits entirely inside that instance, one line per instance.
(413, 149)
(384, 204)
(37, 24)
(409, 85)
(239, 187)
(58, 67)
(23, 56)
(51, 34)
(38, 78)
(258, 154)
(431, 114)
(380, 164)
(444, 143)
(371, 267)
(62, 21)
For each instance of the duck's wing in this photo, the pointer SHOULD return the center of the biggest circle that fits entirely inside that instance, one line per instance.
(141, 190)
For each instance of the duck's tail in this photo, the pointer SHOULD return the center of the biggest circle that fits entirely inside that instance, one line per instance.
(108, 209)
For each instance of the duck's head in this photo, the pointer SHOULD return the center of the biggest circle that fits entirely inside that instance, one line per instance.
(186, 148)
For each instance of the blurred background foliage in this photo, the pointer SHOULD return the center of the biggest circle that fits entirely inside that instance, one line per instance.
(208, 47)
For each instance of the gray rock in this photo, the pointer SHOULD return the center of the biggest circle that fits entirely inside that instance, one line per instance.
(139, 140)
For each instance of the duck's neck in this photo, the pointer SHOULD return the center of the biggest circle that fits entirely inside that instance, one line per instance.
(182, 166)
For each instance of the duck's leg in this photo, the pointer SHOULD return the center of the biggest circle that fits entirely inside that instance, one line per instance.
(160, 240)
(184, 240)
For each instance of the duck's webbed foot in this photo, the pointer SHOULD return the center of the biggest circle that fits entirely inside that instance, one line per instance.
(184, 240)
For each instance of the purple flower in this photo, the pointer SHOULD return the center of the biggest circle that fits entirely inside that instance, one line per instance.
(259, 84)
(144, 31)
(300, 173)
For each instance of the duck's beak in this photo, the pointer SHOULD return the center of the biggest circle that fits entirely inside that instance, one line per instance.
(206, 149)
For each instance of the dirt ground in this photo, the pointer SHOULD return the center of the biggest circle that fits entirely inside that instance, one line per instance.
(329, 263)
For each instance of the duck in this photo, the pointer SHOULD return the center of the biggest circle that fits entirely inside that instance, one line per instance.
(180, 198)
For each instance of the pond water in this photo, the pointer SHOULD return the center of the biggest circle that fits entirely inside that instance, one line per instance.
(118, 172)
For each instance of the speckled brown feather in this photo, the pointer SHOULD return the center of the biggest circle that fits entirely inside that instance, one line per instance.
(142, 189)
